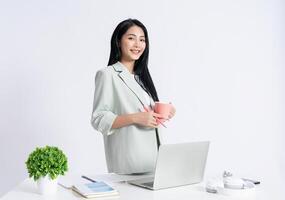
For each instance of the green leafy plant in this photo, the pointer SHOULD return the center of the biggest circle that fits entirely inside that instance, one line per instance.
(46, 161)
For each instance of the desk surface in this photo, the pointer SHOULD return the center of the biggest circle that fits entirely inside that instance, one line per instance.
(27, 190)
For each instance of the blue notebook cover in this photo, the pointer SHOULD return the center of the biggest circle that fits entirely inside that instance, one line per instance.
(95, 188)
(99, 187)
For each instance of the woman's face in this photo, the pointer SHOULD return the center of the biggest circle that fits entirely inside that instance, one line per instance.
(132, 44)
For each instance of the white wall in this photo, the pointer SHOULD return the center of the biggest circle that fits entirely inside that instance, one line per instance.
(221, 63)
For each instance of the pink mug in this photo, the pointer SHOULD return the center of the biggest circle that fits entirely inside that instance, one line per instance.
(163, 109)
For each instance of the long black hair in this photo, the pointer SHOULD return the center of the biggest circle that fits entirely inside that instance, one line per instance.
(141, 65)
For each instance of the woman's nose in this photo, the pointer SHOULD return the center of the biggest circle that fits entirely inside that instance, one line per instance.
(137, 43)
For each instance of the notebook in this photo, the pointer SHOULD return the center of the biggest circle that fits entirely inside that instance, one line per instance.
(95, 190)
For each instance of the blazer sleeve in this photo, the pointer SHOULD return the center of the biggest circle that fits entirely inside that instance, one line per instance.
(102, 116)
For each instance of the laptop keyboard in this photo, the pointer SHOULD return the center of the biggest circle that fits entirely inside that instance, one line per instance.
(149, 184)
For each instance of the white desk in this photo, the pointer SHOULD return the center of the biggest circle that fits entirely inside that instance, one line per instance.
(27, 190)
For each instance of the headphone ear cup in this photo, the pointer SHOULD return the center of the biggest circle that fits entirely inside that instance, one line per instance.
(233, 183)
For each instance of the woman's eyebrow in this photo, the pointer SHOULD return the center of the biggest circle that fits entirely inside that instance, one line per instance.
(135, 35)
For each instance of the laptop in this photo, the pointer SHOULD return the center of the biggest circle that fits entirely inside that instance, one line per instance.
(177, 165)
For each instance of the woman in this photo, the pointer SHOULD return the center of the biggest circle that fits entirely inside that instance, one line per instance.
(123, 102)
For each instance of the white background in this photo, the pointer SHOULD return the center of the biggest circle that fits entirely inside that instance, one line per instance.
(221, 63)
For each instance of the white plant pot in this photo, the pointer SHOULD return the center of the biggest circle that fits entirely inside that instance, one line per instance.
(47, 186)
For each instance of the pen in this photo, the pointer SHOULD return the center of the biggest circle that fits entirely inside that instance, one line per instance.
(89, 179)
(147, 110)
(161, 122)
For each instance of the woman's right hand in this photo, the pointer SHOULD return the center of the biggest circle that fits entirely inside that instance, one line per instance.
(147, 119)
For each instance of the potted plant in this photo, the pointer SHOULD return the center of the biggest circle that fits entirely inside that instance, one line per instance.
(45, 165)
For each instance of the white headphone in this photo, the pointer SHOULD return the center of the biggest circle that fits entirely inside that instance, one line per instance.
(228, 182)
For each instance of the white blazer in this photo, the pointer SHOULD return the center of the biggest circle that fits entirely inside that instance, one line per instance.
(130, 149)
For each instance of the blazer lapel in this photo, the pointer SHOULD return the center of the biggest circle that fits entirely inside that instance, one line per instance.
(130, 82)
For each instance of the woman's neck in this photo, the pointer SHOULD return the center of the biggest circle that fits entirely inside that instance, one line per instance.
(129, 65)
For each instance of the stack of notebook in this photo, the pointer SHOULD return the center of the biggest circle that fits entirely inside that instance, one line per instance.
(95, 190)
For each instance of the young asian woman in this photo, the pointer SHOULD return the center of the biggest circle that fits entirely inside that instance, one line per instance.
(124, 100)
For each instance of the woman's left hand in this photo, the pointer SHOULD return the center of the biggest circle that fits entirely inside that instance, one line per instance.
(172, 112)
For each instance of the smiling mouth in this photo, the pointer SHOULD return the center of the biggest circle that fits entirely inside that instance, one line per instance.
(135, 51)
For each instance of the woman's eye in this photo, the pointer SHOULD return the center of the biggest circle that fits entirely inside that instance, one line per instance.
(130, 38)
(142, 40)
